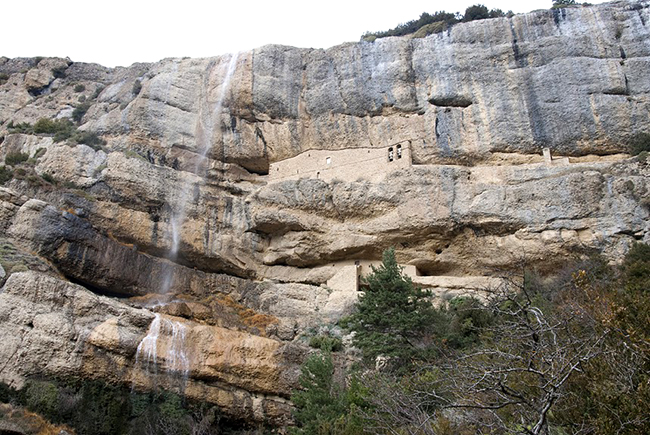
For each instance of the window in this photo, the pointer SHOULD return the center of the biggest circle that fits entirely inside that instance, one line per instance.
(390, 154)
(399, 151)
(328, 160)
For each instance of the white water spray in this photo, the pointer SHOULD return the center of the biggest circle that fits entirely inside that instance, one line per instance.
(204, 145)
(164, 347)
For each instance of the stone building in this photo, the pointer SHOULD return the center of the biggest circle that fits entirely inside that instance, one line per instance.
(347, 164)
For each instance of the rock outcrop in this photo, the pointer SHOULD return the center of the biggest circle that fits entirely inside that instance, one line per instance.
(178, 198)
(53, 328)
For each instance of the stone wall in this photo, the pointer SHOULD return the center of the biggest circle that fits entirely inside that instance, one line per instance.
(346, 165)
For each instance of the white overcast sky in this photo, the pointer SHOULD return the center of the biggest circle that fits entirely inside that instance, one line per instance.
(121, 32)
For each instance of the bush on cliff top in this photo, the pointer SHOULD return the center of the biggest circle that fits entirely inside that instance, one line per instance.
(436, 23)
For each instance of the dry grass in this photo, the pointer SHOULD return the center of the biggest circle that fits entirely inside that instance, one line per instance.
(13, 418)
(249, 317)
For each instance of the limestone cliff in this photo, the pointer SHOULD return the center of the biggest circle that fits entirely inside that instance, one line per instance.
(179, 200)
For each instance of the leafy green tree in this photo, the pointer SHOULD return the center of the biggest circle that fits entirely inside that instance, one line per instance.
(322, 406)
(563, 3)
(393, 317)
(476, 12)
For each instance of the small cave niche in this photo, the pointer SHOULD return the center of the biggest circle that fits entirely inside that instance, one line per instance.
(97, 290)
(453, 101)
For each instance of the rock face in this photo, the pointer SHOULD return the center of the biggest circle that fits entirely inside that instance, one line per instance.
(178, 201)
(51, 327)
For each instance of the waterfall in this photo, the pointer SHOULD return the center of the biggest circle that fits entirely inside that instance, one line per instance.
(204, 145)
(164, 346)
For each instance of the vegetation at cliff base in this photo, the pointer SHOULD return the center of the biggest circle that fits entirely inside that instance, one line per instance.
(95, 408)
(561, 353)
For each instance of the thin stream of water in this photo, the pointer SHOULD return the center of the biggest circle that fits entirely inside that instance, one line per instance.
(175, 360)
(187, 191)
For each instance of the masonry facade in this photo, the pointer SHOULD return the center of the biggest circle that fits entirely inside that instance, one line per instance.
(347, 165)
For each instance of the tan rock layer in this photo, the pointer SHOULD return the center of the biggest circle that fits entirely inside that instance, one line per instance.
(54, 328)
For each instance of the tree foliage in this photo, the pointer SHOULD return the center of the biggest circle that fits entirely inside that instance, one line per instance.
(323, 407)
(93, 407)
(392, 317)
(436, 23)
(567, 353)
(563, 3)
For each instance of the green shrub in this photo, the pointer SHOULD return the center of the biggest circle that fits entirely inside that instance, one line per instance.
(49, 178)
(46, 126)
(98, 90)
(63, 129)
(6, 174)
(563, 3)
(16, 158)
(412, 26)
(34, 180)
(467, 317)
(326, 343)
(89, 138)
(95, 407)
(41, 397)
(23, 127)
(435, 23)
(323, 406)
(7, 393)
(3, 78)
(476, 12)
(64, 134)
(79, 88)
(60, 128)
(79, 111)
(137, 87)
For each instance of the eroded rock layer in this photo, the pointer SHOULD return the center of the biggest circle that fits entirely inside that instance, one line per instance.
(177, 210)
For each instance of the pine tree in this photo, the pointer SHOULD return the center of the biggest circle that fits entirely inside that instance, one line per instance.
(392, 317)
(562, 3)
(322, 406)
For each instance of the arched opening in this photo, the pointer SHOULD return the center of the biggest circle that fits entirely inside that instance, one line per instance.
(399, 151)
(391, 155)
